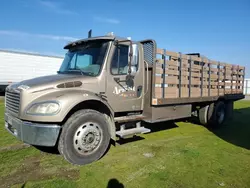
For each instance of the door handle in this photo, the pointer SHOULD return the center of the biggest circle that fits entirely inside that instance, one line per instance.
(139, 91)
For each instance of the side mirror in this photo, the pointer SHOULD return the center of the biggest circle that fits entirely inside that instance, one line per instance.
(133, 61)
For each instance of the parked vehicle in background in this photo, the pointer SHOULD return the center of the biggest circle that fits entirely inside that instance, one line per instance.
(106, 86)
(17, 66)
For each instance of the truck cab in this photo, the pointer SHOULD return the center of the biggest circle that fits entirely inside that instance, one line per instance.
(99, 76)
(106, 86)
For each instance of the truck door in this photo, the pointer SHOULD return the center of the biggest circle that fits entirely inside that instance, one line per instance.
(124, 95)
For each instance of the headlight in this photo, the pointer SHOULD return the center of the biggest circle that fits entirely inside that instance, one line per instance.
(46, 108)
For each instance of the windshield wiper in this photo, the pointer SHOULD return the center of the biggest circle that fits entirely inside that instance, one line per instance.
(80, 70)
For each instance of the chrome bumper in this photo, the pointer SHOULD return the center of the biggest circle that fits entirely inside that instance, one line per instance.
(32, 133)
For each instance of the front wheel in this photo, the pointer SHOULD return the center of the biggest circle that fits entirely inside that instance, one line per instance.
(84, 138)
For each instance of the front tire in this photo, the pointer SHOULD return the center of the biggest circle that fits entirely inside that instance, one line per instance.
(85, 137)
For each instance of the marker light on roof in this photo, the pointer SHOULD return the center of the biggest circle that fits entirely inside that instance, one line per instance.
(110, 34)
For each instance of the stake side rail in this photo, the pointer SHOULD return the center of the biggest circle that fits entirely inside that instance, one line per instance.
(182, 77)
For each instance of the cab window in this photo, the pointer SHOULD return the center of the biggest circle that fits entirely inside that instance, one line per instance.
(119, 64)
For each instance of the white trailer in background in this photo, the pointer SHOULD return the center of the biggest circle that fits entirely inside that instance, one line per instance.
(247, 86)
(18, 66)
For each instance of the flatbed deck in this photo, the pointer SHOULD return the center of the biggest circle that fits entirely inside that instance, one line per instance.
(180, 78)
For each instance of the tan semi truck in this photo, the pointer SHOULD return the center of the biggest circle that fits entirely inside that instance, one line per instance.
(108, 85)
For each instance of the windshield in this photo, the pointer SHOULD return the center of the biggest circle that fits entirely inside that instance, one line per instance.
(86, 59)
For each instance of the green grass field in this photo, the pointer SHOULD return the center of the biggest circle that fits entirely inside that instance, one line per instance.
(178, 154)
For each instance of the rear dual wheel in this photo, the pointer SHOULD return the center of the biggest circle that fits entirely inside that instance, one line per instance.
(213, 115)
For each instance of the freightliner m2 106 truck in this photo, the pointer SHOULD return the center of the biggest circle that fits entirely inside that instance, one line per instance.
(108, 86)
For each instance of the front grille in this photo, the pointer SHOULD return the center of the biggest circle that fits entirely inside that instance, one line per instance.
(12, 101)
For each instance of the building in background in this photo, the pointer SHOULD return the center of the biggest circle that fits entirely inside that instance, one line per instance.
(247, 86)
(18, 66)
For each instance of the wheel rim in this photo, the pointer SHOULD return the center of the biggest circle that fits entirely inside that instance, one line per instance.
(221, 115)
(87, 138)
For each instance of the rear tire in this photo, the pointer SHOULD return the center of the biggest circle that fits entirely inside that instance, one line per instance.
(85, 137)
(216, 114)
(213, 115)
(202, 114)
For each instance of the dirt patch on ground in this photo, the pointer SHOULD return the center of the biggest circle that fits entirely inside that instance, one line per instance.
(31, 171)
(14, 147)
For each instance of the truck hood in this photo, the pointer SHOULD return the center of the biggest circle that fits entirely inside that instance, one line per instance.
(49, 81)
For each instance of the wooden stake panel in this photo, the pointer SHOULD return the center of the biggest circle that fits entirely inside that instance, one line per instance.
(180, 76)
